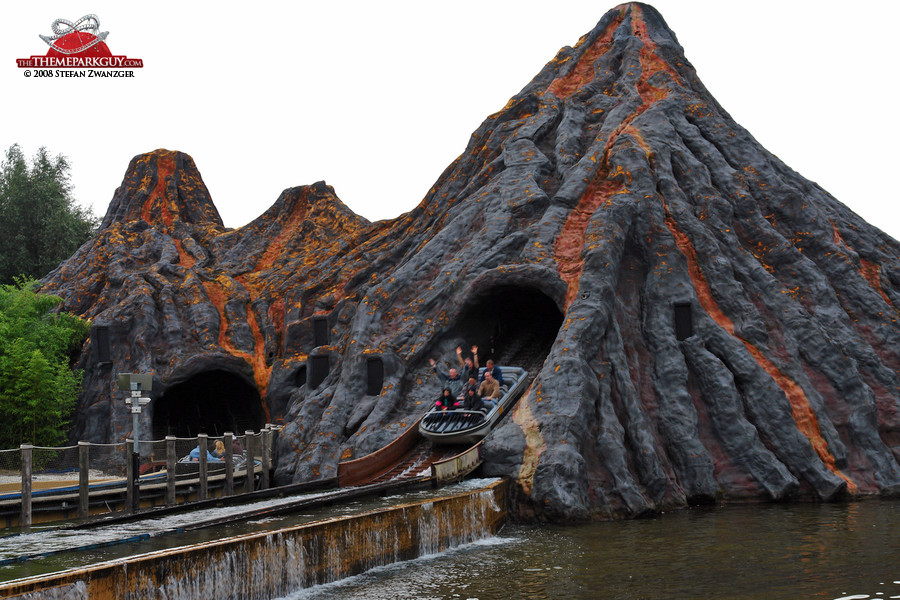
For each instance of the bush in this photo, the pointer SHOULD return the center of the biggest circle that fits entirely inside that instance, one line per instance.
(38, 388)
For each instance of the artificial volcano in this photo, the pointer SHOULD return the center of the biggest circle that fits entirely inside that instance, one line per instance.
(701, 322)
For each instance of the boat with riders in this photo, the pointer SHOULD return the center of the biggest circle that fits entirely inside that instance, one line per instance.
(468, 426)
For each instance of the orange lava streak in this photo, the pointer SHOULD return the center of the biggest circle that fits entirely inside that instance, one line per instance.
(165, 168)
(261, 373)
(276, 314)
(186, 260)
(868, 270)
(217, 296)
(276, 247)
(637, 136)
(838, 238)
(651, 62)
(570, 241)
(583, 72)
(803, 414)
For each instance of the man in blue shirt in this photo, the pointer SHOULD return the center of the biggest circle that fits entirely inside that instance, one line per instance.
(495, 371)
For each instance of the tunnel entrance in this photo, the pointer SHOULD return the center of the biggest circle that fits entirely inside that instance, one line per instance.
(513, 325)
(212, 402)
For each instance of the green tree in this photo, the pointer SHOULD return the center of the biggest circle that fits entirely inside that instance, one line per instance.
(38, 388)
(40, 223)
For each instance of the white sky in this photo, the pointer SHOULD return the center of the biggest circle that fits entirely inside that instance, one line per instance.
(377, 98)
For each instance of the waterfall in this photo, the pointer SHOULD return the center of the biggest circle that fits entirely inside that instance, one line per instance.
(268, 565)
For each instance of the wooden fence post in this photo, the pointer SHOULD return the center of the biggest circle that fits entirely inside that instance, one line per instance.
(228, 440)
(266, 458)
(204, 467)
(250, 449)
(171, 470)
(25, 518)
(84, 478)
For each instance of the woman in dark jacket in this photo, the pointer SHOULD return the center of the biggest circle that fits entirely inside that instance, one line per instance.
(446, 401)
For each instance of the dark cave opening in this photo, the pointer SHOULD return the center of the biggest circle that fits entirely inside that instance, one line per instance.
(513, 325)
(211, 402)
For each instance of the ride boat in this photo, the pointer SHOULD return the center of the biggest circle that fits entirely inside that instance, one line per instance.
(461, 426)
(191, 466)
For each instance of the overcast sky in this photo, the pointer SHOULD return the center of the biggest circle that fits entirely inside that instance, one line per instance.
(377, 98)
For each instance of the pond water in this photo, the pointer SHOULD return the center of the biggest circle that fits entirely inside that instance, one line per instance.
(830, 551)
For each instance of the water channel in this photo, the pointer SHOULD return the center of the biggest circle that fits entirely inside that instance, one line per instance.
(828, 551)
(49, 549)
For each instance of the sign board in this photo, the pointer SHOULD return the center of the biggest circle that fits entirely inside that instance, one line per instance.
(135, 381)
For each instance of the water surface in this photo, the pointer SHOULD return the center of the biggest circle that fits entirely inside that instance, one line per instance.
(830, 551)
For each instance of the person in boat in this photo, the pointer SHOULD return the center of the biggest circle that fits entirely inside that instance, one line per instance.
(447, 401)
(195, 456)
(494, 370)
(219, 450)
(472, 401)
(471, 383)
(489, 390)
(469, 363)
(451, 380)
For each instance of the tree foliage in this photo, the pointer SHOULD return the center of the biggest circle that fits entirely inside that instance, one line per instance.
(38, 388)
(40, 224)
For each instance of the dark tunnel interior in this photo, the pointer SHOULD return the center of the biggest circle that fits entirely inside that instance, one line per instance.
(513, 325)
(211, 402)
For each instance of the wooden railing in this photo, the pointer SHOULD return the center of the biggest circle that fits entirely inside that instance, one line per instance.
(125, 486)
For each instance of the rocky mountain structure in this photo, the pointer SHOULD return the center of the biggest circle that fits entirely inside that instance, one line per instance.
(701, 322)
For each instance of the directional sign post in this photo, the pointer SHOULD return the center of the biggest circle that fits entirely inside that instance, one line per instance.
(135, 384)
